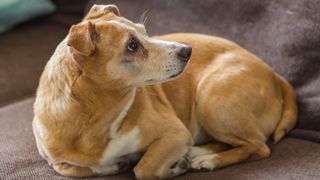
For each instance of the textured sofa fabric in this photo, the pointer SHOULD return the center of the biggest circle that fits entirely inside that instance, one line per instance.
(23, 53)
(25, 49)
(19, 158)
(284, 33)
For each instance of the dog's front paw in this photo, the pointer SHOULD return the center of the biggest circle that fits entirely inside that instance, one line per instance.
(196, 151)
(180, 167)
(204, 162)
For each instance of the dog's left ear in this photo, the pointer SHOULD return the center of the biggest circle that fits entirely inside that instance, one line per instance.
(112, 8)
(81, 38)
(99, 10)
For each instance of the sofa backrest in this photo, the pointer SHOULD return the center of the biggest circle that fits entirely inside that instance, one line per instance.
(25, 49)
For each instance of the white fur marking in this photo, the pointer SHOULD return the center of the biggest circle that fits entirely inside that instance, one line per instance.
(119, 146)
(115, 125)
(204, 162)
(198, 151)
(105, 170)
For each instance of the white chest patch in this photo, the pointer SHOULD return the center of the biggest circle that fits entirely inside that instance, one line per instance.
(120, 145)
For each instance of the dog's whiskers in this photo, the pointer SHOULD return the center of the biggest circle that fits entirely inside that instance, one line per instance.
(144, 17)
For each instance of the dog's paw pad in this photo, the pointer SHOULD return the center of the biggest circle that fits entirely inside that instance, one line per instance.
(203, 162)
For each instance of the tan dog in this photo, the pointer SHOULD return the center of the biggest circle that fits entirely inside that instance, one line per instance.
(94, 116)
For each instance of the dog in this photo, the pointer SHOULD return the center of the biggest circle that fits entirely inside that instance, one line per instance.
(112, 97)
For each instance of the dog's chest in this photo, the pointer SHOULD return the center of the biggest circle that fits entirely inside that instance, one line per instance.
(121, 145)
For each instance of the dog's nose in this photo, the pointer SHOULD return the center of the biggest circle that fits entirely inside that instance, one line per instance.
(184, 53)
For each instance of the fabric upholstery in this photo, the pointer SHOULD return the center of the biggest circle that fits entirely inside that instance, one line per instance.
(19, 158)
(70, 6)
(23, 53)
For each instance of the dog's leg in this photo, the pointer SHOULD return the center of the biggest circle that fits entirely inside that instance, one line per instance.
(165, 157)
(69, 170)
(207, 149)
(209, 157)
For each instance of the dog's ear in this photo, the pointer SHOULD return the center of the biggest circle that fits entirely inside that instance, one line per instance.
(99, 10)
(81, 38)
(113, 9)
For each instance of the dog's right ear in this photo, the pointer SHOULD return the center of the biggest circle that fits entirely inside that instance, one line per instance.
(81, 38)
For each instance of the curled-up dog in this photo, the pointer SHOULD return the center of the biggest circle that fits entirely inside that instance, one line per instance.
(112, 97)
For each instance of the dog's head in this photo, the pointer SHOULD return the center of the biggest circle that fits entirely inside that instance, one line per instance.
(110, 47)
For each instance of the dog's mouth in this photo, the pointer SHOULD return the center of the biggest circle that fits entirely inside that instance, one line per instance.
(175, 75)
(175, 70)
(162, 80)
(172, 72)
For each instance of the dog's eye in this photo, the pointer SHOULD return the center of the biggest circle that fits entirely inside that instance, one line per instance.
(133, 45)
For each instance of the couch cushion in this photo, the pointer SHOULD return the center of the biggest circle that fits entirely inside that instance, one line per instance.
(23, 54)
(70, 6)
(284, 33)
(19, 158)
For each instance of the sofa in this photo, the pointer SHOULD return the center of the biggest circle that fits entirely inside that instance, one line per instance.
(284, 33)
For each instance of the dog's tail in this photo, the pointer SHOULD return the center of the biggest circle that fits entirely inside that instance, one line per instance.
(289, 112)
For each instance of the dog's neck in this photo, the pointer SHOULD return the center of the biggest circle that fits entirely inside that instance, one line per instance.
(73, 93)
(114, 103)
